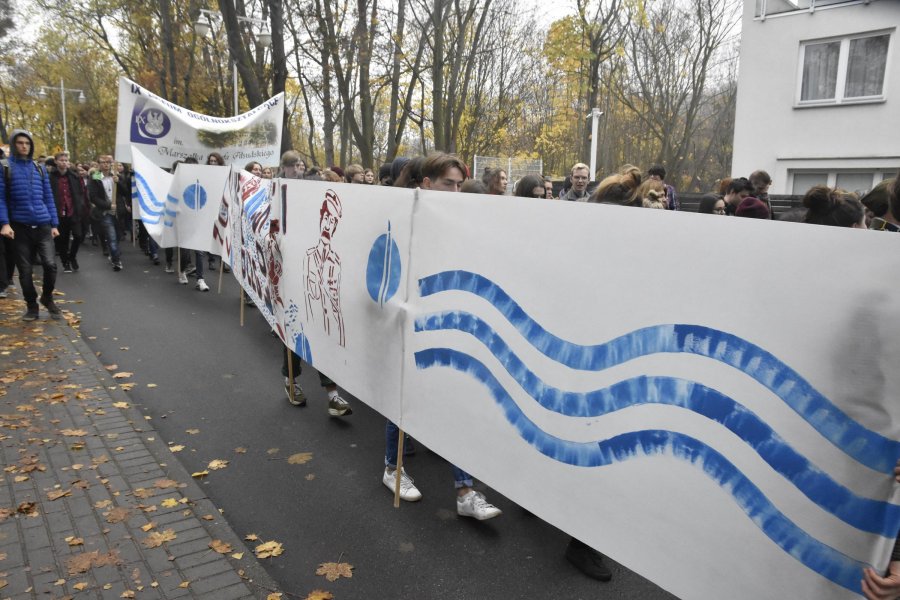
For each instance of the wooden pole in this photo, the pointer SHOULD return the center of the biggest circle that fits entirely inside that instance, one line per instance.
(242, 306)
(290, 364)
(399, 468)
(221, 270)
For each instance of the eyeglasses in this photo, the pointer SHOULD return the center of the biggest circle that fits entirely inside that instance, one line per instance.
(579, 178)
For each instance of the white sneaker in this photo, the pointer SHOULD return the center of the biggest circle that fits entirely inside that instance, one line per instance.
(201, 285)
(475, 505)
(182, 278)
(408, 490)
(338, 407)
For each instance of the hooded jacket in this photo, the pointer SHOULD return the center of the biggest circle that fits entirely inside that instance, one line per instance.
(26, 198)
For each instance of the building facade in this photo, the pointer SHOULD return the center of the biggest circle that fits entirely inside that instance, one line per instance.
(819, 93)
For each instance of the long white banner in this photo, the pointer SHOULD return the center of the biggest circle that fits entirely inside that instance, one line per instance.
(166, 132)
(703, 399)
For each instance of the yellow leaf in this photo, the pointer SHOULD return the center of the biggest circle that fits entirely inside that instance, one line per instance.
(110, 367)
(274, 596)
(301, 458)
(169, 503)
(217, 464)
(332, 571)
(127, 594)
(200, 474)
(57, 494)
(208, 518)
(148, 526)
(269, 549)
(59, 582)
(75, 541)
(122, 375)
(102, 503)
(272, 451)
(157, 538)
(165, 483)
(176, 448)
(251, 537)
(320, 595)
(237, 555)
(80, 586)
(240, 450)
(121, 404)
(184, 584)
(192, 431)
(73, 432)
(21, 478)
(220, 546)
(151, 385)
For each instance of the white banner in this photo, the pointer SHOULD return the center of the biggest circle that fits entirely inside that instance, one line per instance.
(150, 187)
(192, 206)
(648, 381)
(166, 132)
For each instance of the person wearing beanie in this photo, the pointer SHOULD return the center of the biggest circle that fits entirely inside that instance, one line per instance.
(384, 174)
(753, 208)
(338, 170)
(397, 168)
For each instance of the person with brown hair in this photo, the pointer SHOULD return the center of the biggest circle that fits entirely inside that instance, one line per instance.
(355, 174)
(760, 180)
(835, 207)
(653, 194)
(496, 181)
(530, 186)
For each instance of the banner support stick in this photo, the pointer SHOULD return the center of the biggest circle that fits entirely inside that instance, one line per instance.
(221, 270)
(242, 306)
(399, 468)
(290, 369)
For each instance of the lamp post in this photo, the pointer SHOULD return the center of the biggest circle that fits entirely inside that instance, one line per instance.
(264, 38)
(595, 115)
(62, 96)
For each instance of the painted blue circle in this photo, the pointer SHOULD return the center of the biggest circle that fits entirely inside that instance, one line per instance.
(194, 196)
(383, 270)
(154, 123)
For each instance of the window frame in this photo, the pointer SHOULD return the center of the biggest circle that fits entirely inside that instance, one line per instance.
(840, 98)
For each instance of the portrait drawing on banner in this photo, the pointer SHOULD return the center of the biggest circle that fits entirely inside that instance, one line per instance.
(322, 273)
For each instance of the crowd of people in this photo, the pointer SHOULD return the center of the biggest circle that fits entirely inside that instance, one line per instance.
(49, 207)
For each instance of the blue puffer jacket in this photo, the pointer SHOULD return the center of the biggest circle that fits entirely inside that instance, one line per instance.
(27, 198)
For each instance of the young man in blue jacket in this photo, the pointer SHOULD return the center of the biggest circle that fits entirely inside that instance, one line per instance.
(28, 217)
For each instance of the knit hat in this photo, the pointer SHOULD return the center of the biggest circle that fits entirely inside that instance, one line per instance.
(397, 166)
(753, 208)
(384, 171)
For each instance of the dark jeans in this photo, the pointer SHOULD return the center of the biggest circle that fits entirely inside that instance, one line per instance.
(112, 237)
(67, 248)
(7, 261)
(30, 240)
(296, 368)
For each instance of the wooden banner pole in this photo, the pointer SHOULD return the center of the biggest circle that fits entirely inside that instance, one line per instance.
(399, 468)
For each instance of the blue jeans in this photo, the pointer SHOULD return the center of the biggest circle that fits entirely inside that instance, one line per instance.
(34, 241)
(461, 479)
(112, 236)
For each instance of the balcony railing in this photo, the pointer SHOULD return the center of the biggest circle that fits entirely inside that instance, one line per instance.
(768, 8)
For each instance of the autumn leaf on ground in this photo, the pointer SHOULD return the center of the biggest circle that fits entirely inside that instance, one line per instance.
(127, 594)
(111, 367)
(5, 514)
(271, 451)
(320, 595)
(57, 494)
(176, 448)
(200, 474)
(274, 596)
(148, 526)
(192, 431)
(151, 385)
(157, 538)
(269, 549)
(84, 562)
(127, 387)
(142, 493)
(240, 450)
(301, 458)
(251, 537)
(169, 503)
(117, 515)
(208, 518)
(75, 541)
(81, 586)
(237, 555)
(310, 476)
(217, 464)
(165, 483)
(102, 503)
(122, 375)
(21, 478)
(73, 432)
(184, 584)
(121, 404)
(220, 546)
(3, 583)
(333, 571)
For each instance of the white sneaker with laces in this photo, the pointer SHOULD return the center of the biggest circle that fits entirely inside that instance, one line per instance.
(475, 505)
(182, 278)
(201, 285)
(408, 490)
(338, 407)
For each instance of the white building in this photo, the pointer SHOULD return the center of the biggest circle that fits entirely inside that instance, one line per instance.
(819, 93)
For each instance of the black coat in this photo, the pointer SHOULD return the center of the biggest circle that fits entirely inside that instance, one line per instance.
(77, 188)
(122, 193)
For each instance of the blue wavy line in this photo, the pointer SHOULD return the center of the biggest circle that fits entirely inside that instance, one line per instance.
(815, 555)
(868, 447)
(874, 516)
(146, 194)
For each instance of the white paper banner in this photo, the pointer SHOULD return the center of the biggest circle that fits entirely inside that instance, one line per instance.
(192, 206)
(166, 132)
(150, 187)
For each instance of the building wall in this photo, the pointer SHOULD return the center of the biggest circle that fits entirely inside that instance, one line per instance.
(774, 134)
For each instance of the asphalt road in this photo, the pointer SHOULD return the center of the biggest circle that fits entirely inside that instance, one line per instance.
(224, 380)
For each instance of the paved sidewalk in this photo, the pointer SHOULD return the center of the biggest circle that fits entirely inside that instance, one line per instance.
(93, 504)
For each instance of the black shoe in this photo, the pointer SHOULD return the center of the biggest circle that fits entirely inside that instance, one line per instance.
(155, 259)
(117, 265)
(32, 313)
(74, 263)
(587, 560)
(52, 308)
(67, 268)
(226, 268)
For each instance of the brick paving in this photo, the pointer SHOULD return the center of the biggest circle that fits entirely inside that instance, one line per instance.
(68, 429)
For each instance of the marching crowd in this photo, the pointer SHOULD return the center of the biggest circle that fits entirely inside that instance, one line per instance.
(48, 207)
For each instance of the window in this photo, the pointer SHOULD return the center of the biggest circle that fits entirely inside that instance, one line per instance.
(845, 70)
(852, 180)
(804, 181)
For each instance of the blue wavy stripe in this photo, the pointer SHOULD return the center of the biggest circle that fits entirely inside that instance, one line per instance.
(820, 558)
(145, 195)
(254, 203)
(868, 447)
(874, 516)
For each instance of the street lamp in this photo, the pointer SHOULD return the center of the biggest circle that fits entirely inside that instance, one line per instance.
(264, 38)
(62, 96)
(595, 114)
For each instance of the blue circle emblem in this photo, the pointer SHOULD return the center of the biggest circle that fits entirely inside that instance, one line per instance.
(383, 269)
(154, 123)
(194, 196)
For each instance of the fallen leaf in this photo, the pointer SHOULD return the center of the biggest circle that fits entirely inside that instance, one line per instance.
(251, 537)
(74, 541)
(192, 431)
(5, 513)
(240, 450)
(148, 527)
(269, 549)
(220, 546)
(81, 586)
(176, 448)
(3, 583)
(271, 451)
(217, 464)
(122, 375)
(57, 494)
(73, 432)
(110, 367)
(82, 563)
(81, 484)
(208, 518)
(333, 571)
(127, 387)
(151, 385)
(102, 503)
(117, 515)
(169, 503)
(310, 476)
(2, 555)
(237, 555)
(301, 458)
(274, 596)
(127, 594)
(200, 474)
(165, 483)
(21, 478)
(157, 538)
(184, 584)
(59, 582)
(320, 595)
(143, 493)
